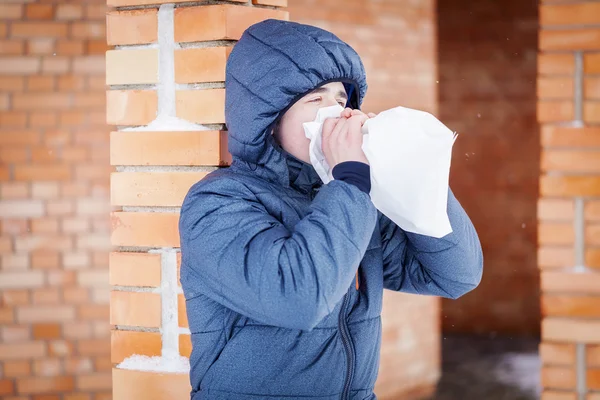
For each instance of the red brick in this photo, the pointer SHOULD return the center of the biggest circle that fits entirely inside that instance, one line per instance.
(152, 189)
(45, 313)
(97, 47)
(135, 269)
(558, 377)
(201, 65)
(18, 279)
(569, 39)
(7, 386)
(145, 229)
(132, 27)
(42, 119)
(132, 66)
(45, 385)
(60, 348)
(11, 11)
(12, 47)
(591, 88)
(591, 112)
(555, 88)
(593, 379)
(71, 83)
(14, 65)
(76, 295)
(578, 283)
(38, 29)
(222, 21)
(15, 261)
(59, 207)
(570, 186)
(69, 47)
(13, 369)
(93, 347)
(103, 364)
(95, 11)
(46, 296)
(55, 65)
(555, 257)
(126, 343)
(14, 297)
(129, 384)
(185, 345)
(87, 30)
(7, 316)
(131, 107)
(50, 172)
(96, 381)
(39, 11)
(12, 83)
(135, 309)
(201, 106)
(46, 331)
(48, 367)
(571, 306)
(41, 46)
(176, 148)
(76, 260)
(15, 333)
(557, 136)
(69, 12)
(78, 366)
(570, 161)
(57, 137)
(591, 63)
(64, 278)
(22, 351)
(555, 111)
(13, 119)
(570, 14)
(181, 311)
(39, 101)
(45, 259)
(570, 330)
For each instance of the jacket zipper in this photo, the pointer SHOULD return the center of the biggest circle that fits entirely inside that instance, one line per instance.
(345, 334)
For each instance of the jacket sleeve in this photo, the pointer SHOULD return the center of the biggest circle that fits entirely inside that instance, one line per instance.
(237, 254)
(449, 266)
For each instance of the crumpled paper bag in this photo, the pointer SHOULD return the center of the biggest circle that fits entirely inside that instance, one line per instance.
(409, 152)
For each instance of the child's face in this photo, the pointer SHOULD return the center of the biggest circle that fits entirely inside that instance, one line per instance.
(290, 133)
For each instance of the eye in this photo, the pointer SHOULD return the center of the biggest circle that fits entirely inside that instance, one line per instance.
(315, 100)
(342, 103)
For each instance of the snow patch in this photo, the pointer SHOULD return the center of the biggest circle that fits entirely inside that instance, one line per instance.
(177, 364)
(167, 123)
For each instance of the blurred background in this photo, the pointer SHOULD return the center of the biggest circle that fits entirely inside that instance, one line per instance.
(518, 80)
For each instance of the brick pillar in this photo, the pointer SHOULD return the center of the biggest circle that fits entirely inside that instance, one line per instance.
(569, 205)
(397, 43)
(166, 95)
(54, 201)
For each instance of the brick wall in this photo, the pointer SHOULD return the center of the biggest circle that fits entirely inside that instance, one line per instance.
(397, 43)
(54, 336)
(569, 113)
(487, 65)
(166, 78)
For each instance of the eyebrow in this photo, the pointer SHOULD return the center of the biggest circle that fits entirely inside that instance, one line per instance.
(341, 93)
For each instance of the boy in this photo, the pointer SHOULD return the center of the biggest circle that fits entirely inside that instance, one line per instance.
(284, 276)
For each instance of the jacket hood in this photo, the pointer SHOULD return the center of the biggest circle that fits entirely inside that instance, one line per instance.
(273, 65)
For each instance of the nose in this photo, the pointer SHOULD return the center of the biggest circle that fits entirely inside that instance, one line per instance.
(329, 101)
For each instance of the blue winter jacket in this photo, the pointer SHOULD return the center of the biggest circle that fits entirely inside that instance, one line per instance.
(269, 253)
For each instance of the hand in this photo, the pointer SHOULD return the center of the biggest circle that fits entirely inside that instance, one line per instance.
(342, 137)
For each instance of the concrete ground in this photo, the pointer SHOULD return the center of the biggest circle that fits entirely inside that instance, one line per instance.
(490, 368)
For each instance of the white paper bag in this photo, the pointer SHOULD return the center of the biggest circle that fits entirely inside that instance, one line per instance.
(409, 152)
